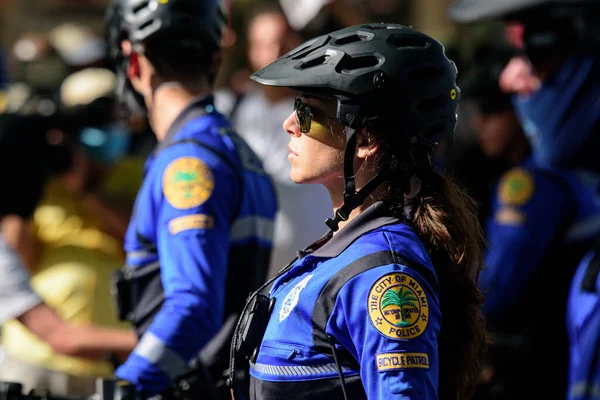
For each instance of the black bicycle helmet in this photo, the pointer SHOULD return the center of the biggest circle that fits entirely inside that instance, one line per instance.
(381, 74)
(386, 76)
(201, 20)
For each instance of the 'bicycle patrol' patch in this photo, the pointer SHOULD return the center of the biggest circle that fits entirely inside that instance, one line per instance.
(395, 361)
(187, 183)
(516, 187)
(398, 306)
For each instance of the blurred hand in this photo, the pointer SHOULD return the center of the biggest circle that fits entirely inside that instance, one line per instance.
(518, 77)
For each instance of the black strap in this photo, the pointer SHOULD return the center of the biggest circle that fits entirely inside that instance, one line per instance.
(338, 364)
(327, 298)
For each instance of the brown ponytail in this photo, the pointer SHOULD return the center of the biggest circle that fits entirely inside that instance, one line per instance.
(446, 221)
(445, 218)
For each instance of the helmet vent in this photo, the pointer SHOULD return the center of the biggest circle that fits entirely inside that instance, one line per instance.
(140, 7)
(322, 59)
(310, 47)
(302, 53)
(356, 37)
(432, 103)
(146, 24)
(425, 74)
(403, 42)
(355, 63)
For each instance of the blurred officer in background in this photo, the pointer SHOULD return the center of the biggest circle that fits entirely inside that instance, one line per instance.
(201, 234)
(555, 84)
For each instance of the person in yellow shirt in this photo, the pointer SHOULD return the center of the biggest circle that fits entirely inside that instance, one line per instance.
(78, 228)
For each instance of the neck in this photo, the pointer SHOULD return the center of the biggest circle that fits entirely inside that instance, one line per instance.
(169, 100)
(338, 199)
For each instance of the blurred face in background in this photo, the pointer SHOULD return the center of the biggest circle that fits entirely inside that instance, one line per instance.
(498, 132)
(269, 37)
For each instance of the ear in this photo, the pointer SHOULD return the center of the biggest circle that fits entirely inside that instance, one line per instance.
(366, 144)
(133, 68)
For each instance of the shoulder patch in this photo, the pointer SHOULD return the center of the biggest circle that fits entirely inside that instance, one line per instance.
(398, 306)
(510, 216)
(187, 183)
(395, 361)
(189, 222)
(516, 187)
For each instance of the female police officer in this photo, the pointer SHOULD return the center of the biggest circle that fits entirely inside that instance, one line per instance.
(386, 305)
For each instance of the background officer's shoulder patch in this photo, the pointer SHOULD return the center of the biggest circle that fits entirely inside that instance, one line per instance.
(516, 187)
(398, 306)
(187, 182)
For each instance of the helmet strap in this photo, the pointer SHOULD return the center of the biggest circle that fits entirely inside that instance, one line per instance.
(131, 101)
(352, 198)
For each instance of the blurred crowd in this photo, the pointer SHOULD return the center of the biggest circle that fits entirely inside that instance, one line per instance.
(72, 160)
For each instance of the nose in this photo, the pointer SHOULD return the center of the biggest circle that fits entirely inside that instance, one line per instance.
(290, 125)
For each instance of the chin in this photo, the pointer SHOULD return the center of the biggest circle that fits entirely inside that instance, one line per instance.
(298, 177)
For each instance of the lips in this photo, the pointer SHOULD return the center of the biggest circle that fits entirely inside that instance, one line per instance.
(292, 150)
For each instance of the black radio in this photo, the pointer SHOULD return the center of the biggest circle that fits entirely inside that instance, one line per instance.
(253, 324)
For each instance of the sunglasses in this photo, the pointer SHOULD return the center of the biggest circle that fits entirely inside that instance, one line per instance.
(304, 115)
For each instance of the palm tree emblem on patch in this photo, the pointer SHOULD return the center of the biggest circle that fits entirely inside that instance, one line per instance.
(398, 306)
(187, 179)
(187, 183)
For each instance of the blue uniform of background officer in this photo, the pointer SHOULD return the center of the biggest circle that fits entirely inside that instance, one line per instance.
(556, 90)
(359, 315)
(201, 233)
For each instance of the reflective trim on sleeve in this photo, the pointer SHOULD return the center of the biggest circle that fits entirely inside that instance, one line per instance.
(156, 352)
(252, 227)
(140, 254)
(296, 370)
(137, 258)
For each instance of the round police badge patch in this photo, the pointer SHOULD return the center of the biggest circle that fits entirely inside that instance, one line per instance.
(187, 183)
(291, 300)
(398, 306)
(516, 187)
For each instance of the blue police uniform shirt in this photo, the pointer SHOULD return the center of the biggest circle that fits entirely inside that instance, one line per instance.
(387, 318)
(533, 210)
(199, 206)
(583, 323)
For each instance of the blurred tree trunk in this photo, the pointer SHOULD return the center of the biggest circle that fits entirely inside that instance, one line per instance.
(430, 17)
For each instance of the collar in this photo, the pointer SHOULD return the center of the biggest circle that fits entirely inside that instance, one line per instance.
(197, 108)
(329, 246)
